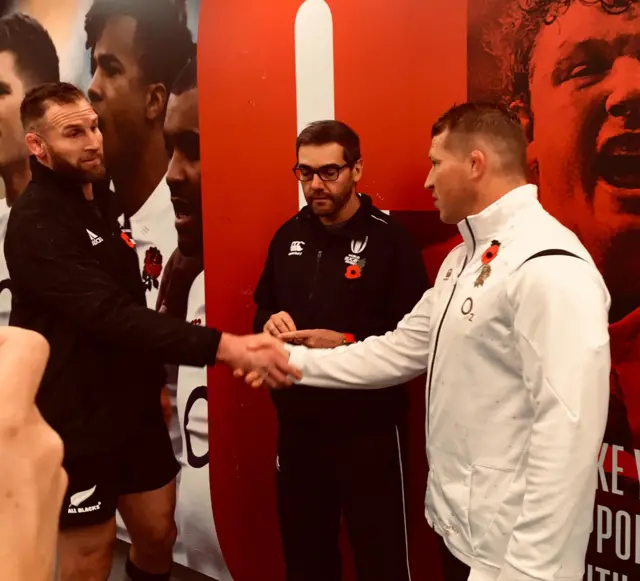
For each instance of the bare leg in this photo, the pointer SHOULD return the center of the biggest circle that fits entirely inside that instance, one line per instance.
(150, 520)
(85, 553)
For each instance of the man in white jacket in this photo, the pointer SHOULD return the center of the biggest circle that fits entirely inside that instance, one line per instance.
(514, 339)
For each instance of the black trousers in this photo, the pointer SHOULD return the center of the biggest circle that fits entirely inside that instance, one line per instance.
(325, 474)
(453, 569)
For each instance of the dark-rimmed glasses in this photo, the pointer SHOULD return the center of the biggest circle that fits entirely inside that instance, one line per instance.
(327, 173)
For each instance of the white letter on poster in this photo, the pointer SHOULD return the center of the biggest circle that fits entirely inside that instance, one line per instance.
(314, 66)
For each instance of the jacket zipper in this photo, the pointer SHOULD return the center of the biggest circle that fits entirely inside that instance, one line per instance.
(315, 274)
(444, 314)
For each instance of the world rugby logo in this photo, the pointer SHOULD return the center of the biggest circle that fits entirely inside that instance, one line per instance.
(357, 246)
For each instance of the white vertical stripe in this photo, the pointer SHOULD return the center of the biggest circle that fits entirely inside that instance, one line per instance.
(404, 507)
(315, 98)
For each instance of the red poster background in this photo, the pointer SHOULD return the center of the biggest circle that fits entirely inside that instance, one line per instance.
(395, 71)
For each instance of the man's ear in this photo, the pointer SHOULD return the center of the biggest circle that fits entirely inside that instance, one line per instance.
(526, 120)
(156, 101)
(34, 144)
(357, 170)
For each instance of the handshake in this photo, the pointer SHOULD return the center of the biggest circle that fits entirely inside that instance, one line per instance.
(263, 358)
(260, 359)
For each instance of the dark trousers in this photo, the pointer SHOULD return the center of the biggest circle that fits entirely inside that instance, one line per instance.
(453, 569)
(325, 474)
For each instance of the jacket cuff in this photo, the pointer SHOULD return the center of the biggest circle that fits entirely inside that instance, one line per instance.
(297, 356)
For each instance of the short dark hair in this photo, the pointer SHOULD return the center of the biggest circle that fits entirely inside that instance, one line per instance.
(188, 77)
(330, 131)
(36, 57)
(36, 101)
(500, 125)
(162, 36)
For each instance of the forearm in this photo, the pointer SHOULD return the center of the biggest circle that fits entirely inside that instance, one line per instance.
(162, 337)
(375, 363)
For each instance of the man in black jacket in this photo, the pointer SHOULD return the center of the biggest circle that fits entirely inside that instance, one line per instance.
(339, 271)
(76, 282)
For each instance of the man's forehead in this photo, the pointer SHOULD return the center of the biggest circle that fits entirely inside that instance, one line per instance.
(317, 155)
(61, 115)
(118, 35)
(584, 21)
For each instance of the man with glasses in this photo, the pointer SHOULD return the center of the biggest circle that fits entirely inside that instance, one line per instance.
(337, 272)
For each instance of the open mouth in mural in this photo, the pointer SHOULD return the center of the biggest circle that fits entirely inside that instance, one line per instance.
(618, 161)
(184, 212)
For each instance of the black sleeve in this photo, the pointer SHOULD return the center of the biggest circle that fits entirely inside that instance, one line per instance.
(265, 296)
(409, 275)
(48, 261)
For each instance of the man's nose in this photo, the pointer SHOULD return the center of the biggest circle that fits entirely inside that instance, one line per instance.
(428, 184)
(623, 101)
(316, 182)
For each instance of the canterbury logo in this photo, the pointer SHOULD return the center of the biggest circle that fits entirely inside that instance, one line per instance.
(79, 497)
(357, 246)
(95, 239)
(296, 248)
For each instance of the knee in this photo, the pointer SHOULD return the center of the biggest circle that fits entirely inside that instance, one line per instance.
(157, 539)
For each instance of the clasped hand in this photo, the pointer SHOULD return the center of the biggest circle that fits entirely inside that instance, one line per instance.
(262, 358)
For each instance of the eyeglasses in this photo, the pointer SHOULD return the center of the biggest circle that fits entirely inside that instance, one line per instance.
(327, 173)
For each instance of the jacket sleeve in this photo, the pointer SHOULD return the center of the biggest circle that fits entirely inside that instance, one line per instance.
(265, 296)
(47, 261)
(561, 331)
(374, 363)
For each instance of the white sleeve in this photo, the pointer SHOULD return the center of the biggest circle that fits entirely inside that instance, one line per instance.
(374, 363)
(561, 332)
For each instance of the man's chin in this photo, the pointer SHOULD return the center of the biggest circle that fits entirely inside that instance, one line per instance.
(189, 248)
(95, 176)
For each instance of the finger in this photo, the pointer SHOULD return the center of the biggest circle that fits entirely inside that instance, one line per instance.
(288, 321)
(23, 358)
(238, 373)
(280, 324)
(294, 335)
(277, 378)
(270, 328)
(253, 376)
(282, 368)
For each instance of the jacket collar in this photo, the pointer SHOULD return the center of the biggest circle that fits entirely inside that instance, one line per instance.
(492, 221)
(354, 227)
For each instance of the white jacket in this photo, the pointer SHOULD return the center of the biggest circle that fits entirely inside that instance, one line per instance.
(517, 391)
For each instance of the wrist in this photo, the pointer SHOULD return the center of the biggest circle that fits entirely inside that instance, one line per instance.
(224, 348)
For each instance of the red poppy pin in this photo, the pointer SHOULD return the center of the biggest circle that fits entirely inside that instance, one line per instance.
(129, 242)
(353, 272)
(487, 257)
(152, 268)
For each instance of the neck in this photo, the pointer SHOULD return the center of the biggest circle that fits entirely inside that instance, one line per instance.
(346, 212)
(496, 189)
(16, 176)
(87, 191)
(136, 179)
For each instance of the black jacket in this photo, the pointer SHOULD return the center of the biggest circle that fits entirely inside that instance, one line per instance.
(311, 272)
(77, 282)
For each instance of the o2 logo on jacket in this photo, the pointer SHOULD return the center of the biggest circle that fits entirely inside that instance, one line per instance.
(199, 393)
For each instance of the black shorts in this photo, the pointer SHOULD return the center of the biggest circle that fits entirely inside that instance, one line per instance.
(145, 463)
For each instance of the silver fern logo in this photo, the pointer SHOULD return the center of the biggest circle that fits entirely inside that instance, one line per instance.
(80, 498)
